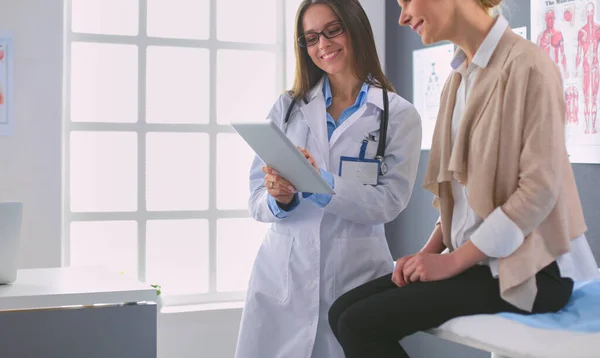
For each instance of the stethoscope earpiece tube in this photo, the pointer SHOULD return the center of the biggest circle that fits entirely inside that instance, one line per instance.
(287, 116)
(383, 132)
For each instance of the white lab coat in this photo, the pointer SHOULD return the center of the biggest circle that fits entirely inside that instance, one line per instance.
(313, 256)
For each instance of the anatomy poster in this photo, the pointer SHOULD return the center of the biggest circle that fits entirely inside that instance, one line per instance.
(6, 118)
(569, 32)
(431, 68)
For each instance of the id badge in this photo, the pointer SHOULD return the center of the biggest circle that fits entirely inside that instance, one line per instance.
(364, 170)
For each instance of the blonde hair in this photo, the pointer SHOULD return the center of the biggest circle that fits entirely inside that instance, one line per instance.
(491, 6)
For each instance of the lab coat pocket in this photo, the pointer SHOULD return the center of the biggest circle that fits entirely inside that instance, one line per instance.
(359, 260)
(270, 275)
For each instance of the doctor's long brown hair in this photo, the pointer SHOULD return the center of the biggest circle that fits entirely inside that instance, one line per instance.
(365, 60)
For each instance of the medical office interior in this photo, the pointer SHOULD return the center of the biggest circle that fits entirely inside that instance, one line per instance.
(116, 145)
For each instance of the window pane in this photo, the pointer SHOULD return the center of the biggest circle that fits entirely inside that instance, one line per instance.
(234, 158)
(112, 244)
(104, 83)
(246, 90)
(177, 171)
(185, 19)
(291, 7)
(177, 255)
(247, 21)
(103, 171)
(238, 241)
(109, 17)
(177, 88)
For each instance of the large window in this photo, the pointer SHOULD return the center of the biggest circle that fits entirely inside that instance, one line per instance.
(156, 182)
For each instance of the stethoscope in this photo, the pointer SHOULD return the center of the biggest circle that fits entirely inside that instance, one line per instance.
(382, 129)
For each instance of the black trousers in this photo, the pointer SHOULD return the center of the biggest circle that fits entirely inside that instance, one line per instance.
(370, 320)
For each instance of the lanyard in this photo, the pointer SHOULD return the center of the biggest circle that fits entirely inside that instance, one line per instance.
(363, 149)
(382, 129)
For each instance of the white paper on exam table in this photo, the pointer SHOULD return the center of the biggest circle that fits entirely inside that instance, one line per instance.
(276, 150)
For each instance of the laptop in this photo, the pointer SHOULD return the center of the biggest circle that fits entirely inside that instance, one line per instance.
(10, 235)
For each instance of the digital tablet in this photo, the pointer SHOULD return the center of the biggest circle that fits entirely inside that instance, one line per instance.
(276, 150)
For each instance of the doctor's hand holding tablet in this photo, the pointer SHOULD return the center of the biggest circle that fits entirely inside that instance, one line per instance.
(309, 157)
(281, 189)
(278, 187)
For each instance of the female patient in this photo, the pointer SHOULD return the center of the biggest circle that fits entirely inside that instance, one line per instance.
(510, 214)
(319, 246)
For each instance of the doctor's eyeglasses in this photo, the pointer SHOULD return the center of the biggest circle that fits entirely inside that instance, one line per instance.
(312, 38)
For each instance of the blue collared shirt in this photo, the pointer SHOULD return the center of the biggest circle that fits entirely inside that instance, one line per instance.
(323, 199)
(332, 125)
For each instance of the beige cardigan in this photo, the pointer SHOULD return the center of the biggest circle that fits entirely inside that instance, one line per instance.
(510, 153)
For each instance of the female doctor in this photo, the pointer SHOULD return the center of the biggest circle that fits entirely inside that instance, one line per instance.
(320, 246)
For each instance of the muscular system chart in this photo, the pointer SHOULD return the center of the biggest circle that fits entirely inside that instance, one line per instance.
(569, 32)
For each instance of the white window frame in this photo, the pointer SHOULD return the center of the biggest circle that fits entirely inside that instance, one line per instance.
(142, 128)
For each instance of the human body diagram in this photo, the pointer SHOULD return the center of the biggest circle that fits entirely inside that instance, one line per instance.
(569, 32)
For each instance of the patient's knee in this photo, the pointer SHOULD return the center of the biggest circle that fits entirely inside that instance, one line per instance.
(338, 308)
(353, 323)
(335, 312)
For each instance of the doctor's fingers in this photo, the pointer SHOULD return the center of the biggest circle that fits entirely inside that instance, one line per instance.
(305, 151)
(269, 170)
(313, 162)
(281, 195)
(272, 172)
(276, 181)
(276, 191)
(309, 157)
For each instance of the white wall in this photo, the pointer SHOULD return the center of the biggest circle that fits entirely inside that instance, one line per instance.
(30, 160)
(30, 165)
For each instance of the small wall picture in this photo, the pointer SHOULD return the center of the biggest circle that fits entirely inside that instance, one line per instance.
(431, 68)
(6, 85)
(521, 31)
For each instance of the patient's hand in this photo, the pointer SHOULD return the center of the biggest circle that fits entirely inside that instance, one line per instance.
(398, 276)
(426, 267)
